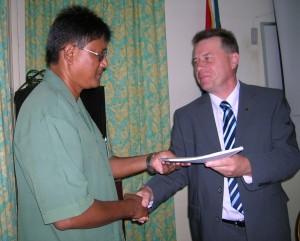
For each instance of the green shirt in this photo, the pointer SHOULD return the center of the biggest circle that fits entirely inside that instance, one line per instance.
(61, 166)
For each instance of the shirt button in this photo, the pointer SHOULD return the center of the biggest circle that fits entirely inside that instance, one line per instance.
(220, 189)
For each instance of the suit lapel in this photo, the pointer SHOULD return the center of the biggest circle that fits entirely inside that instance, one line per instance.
(206, 118)
(247, 103)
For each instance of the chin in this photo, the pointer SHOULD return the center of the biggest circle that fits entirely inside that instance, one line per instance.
(96, 83)
(203, 86)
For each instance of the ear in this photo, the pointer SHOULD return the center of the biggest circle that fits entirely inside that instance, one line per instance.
(234, 60)
(68, 53)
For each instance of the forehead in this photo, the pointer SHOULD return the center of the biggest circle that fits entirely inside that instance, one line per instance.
(209, 45)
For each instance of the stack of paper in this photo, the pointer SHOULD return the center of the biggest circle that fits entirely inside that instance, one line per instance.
(206, 158)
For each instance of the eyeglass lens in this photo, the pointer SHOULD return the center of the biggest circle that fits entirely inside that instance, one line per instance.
(102, 55)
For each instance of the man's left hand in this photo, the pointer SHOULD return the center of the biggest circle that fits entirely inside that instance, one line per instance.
(234, 166)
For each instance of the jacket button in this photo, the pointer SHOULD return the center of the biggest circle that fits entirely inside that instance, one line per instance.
(220, 189)
(217, 219)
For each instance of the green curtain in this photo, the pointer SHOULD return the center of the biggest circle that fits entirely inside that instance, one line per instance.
(8, 219)
(136, 87)
(138, 101)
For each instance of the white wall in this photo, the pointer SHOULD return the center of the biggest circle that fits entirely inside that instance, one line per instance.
(183, 20)
(17, 42)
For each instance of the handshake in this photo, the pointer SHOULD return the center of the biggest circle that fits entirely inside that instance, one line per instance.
(140, 202)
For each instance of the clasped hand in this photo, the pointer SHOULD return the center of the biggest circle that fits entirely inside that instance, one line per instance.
(160, 167)
(146, 195)
(139, 203)
(136, 207)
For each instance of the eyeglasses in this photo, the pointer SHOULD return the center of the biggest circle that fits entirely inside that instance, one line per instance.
(100, 56)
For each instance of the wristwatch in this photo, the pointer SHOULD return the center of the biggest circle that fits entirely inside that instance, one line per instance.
(148, 164)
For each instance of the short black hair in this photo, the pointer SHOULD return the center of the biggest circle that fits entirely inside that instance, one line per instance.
(228, 40)
(77, 25)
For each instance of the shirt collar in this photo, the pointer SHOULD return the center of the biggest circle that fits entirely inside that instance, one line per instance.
(232, 99)
(57, 83)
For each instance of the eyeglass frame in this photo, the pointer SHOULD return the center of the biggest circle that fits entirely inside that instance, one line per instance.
(100, 56)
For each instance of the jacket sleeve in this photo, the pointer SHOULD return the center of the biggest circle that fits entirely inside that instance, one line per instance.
(274, 155)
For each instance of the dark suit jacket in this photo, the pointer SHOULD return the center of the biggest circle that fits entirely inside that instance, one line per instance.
(267, 133)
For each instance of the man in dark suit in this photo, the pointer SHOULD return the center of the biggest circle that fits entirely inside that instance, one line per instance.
(263, 127)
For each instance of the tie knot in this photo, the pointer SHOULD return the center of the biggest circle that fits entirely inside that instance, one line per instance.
(225, 105)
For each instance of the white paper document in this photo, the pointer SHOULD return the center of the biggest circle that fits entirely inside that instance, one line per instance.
(206, 158)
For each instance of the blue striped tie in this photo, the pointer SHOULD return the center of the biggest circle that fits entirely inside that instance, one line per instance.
(229, 127)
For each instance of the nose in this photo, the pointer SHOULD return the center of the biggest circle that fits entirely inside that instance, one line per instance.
(104, 63)
(199, 65)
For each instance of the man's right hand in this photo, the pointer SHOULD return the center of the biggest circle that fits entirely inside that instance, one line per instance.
(146, 194)
(138, 210)
(147, 198)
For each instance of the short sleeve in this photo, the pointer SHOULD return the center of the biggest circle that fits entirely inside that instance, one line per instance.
(56, 170)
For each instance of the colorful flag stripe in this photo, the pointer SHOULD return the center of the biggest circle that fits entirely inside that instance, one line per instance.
(212, 19)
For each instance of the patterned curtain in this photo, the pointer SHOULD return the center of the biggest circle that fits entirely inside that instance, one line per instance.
(136, 87)
(8, 220)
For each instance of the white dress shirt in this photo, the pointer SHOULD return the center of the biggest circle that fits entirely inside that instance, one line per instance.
(229, 212)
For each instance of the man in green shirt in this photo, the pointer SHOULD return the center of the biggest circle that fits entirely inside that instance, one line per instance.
(65, 176)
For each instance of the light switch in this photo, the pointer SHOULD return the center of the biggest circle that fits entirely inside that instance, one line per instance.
(253, 36)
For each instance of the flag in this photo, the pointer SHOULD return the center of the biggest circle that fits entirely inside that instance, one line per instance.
(212, 19)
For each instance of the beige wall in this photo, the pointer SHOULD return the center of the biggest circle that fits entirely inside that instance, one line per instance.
(184, 19)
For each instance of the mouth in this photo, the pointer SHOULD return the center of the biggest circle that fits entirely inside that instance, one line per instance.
(99, 74)
(203, 77)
